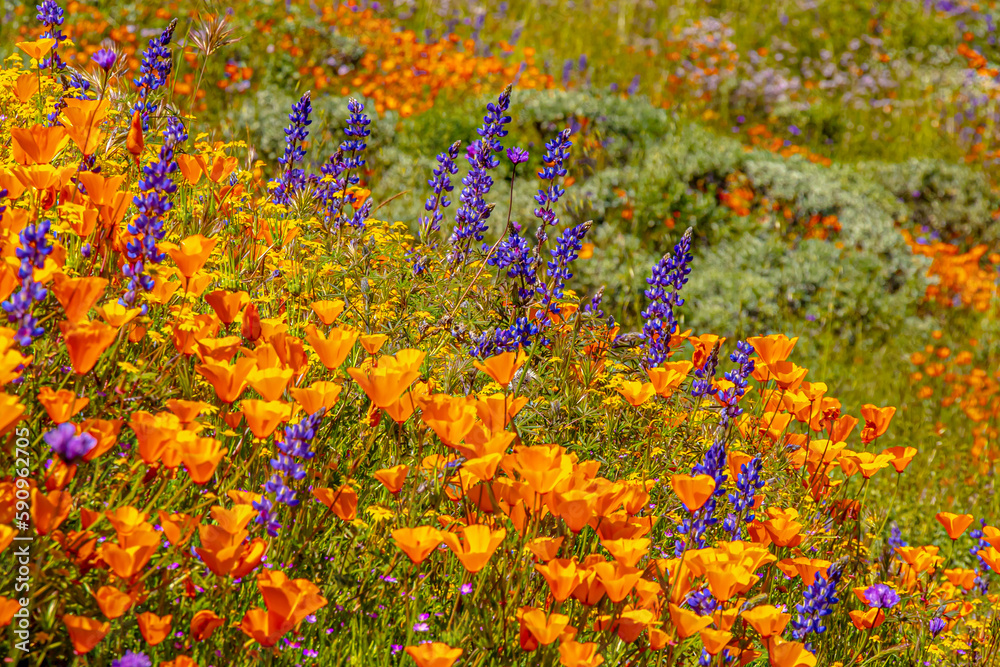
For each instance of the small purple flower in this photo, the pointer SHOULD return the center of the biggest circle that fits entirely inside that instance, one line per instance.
(881, 596)
(421, 627)
(67, 444)
(132, 660)
(105, 58)
(936, 625)
(517, 155)
(465, 589)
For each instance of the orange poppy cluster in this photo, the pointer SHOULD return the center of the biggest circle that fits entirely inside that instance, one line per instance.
(962, 382)
(968, 279)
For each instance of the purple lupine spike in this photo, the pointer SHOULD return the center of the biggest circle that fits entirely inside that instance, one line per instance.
(342, 168)
(34, 248)
(441, 184)
(566, 251)
(669, 275)
(292, 177)
(473, 211)
(818, 602)
(154, 70)
(287, 469)
(515, 256)
(556, 154)
(731, 397)
(153, 203)
(748, 482)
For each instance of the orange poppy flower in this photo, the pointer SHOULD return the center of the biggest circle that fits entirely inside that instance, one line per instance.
(229, 380)
(636, 393)
(291, 600)
(78, 295)
(117, 315)
(227, 305)
(328, 311)
(901, 456)
(868, 619)
(545, 548)
(669, 377)
(618, 580)
(86, 342)
(154, 628)
(128, 561)
(7, 535)
(403, 407)
(178, 528)
(628, 552)
(112, 602)
(502, 367)
(954, 524)
(451, 417)
(544, 630)
(8, 607)
(434, 654)
(373, 342)
(703, 346)
(38, 144)
(263, 417)
(192, 253)
(319, 394)
(201, 456)
(204, 623)
(332, 349)
(10, 412)
(385, 382)
(841, 428)
(687, 622)
(343, 501)
(393, 478)
(179, 661)
(876, 421)
(417, 543)
(85, 633)
(49, 511)
(790, 654)
(37, 49)
(767, 620)
(714, 641)
(865, 462)
(576, 654)
(497, 410)
(961, 577)
(81, 120)
(61, 405)
(782, 527)
(727, 579)
(772, 348)
(475, 546)
(807, 568)
(264, 628)
(562, 575)
(269, 382)
(693, 491)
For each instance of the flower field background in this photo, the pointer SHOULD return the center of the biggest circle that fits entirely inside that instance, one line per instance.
(521, 333)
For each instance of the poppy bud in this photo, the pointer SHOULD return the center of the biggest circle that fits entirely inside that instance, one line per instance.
(251, 323)
(134, 142)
